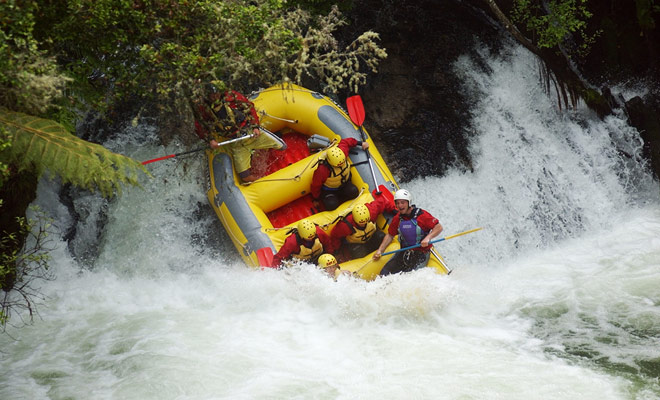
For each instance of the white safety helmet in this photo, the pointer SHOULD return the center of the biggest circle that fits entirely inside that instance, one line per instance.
(403, 194)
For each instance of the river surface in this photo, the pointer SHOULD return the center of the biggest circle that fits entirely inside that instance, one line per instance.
(556, 298)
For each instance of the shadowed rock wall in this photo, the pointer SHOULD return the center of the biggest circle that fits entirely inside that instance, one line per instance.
(414, 104)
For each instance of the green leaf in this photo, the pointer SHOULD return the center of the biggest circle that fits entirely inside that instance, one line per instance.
(44, 145)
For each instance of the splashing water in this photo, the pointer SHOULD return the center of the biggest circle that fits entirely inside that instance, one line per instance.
(555, 298)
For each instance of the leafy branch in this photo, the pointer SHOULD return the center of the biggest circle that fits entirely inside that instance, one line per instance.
(554, 22)
(19, 268)
(161, 50)
(42, 144)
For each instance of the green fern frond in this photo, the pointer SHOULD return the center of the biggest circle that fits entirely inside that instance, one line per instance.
(43, 144)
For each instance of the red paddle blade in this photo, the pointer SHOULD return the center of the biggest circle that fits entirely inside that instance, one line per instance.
(355, 109)
(383, 191)
(265, 257)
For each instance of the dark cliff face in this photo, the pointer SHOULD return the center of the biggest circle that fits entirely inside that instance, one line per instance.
(628, 44)
(415, 109)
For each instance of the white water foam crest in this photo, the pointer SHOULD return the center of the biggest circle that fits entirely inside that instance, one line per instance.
(538, 176)
(168, 216)
(239, 333)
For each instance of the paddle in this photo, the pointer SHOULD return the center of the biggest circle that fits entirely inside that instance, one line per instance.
(196, 150)
(356, 112)
(174, 155)
(432, 241)
(442, 262)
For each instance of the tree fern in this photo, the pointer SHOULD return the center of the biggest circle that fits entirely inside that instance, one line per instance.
(42, 144)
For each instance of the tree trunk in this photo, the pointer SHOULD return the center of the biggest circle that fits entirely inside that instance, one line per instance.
(567, 82)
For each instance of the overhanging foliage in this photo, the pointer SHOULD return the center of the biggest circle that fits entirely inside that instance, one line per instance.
(166, 49)
(43, 144)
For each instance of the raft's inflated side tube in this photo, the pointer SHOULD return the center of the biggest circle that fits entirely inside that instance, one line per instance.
(244, 226)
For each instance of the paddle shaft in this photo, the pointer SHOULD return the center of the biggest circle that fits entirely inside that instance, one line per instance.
(441, 261)
(432, 241)
(173, 155)
(444, 265)
(195, 150)
(371, 166)
(357, 115)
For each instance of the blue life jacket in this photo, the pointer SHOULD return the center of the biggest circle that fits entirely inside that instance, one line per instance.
(410, 233)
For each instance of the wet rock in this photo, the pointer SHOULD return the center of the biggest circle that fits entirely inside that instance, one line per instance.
(647, 121)
(89, 216)
(416, 111)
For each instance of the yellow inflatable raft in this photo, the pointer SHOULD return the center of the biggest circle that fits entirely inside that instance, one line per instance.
(259, 216)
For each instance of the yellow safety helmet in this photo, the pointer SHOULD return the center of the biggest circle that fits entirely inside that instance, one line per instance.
(306, 229)
(361, 214)
(335, 157)
(327, 260)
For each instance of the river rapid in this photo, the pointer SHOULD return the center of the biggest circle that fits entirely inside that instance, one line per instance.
(557, 296)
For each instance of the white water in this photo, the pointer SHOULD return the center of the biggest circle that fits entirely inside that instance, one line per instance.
(555, 298)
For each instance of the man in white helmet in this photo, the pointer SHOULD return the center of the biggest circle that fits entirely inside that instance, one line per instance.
(414, 226)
